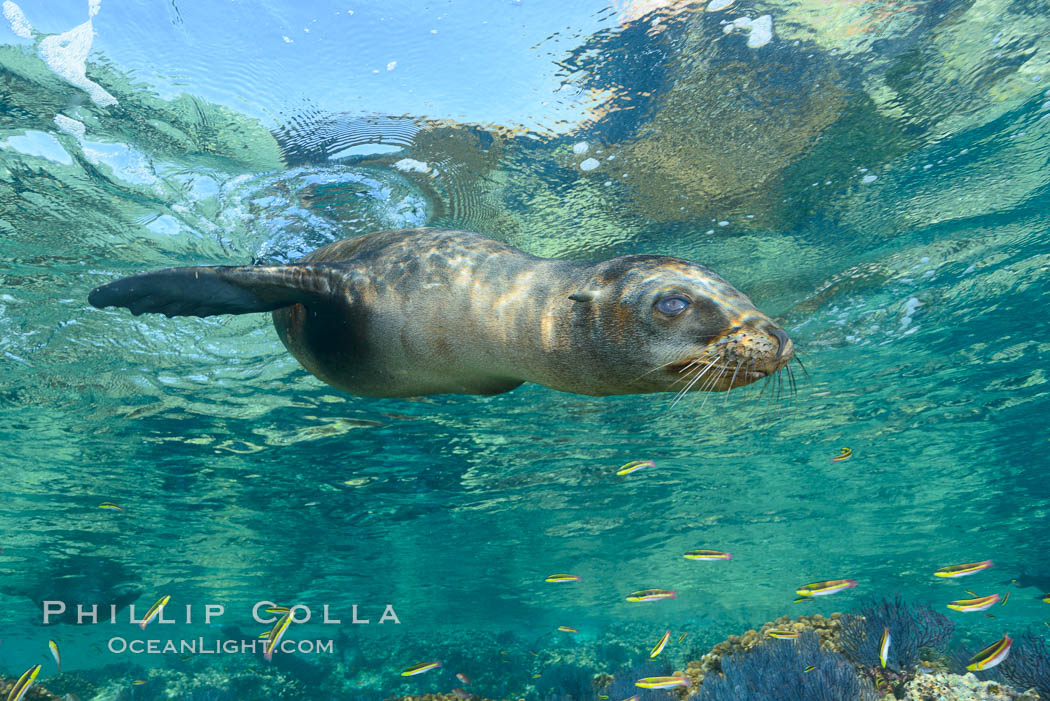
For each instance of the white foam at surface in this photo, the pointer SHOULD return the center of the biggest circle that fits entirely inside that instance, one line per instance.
(761, 32)
(70, 126)
(590, 164)
(718, 5)
(287, 40)
(391, 66)
(66, 53)
(869, 179)
(93, 7)
(126, 163)
(19, 24)
(411, 165)
(581, 147)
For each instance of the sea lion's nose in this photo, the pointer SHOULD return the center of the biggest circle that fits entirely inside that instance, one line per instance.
(782, 339)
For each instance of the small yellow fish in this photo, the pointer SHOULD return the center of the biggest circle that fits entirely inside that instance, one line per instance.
(827, 587)
(18, 691)
(278, 610)
(809, 669)
(54, 653)
(988, 615)
(844, 454)
(420, 668)
(111, 506)
(991, 655)
(782, 634)
(1005, 599)
(963, 569)
(264, 636)
(971, 593)
(562, 578)
(662, 682)
(634, 466)
(567, 629)
(707, 555)
(660, 645)
(979, 604)
(138, 682)
(536, 676)
(802, 599)
(276, 633)
(884, 647)
(154, 611)
(652, 595)
(682, 636)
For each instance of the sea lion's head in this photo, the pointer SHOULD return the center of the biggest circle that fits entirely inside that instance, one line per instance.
(667, 324)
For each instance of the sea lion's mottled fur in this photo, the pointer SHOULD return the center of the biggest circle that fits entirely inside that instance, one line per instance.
(431, 311)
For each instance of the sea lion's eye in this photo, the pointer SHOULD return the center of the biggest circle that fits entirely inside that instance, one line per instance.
(672, 305)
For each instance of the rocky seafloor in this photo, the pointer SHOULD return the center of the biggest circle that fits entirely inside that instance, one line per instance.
(812, 658)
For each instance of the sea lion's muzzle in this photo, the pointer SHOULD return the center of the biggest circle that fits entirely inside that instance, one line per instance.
(746, 353)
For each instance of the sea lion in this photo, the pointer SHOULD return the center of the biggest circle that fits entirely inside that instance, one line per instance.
(432, 311)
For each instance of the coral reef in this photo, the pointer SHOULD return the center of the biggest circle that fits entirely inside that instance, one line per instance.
(950, 687)
(435, 697)
(912, 628)
(787, 670)
(826, 629)
(209, 684)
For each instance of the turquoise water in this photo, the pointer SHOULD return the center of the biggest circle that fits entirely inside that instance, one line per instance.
(875, 177)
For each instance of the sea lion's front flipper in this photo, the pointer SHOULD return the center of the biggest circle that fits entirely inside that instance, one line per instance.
(220, 289)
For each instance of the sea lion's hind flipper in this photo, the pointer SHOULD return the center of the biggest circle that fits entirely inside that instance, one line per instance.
(220, 289)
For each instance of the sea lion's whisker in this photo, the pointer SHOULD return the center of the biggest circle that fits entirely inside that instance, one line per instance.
(688, 366)
(711, 382)
(659, 367)
(685, 390)
(716, 379)
(692, 382)
(731, 381)
(799, 360)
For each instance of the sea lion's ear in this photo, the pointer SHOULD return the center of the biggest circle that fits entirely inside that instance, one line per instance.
(583, 296)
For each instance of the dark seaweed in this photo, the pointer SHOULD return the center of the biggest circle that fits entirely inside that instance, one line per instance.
(912, 628)
(561, 682)
(623, 683)
(1028, 664)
